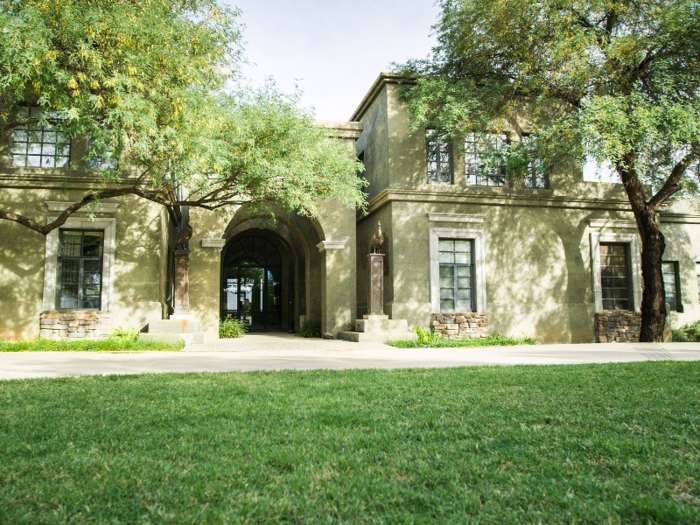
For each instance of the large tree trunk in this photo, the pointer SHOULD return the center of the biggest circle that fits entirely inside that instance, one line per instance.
(654, 296)
(653, 245)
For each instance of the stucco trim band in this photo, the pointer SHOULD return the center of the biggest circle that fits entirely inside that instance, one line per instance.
(479, 264)
(109, 226)
(455, 217)
(636, 274)
(213, 243)
(103, 207)
(330, 245)
(605, 223)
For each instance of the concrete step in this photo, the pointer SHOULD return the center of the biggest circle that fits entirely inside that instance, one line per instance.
(381, 325)
(377, 337)
(172, 326)
(196, 338)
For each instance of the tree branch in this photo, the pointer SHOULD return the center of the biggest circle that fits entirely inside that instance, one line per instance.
(673, 183)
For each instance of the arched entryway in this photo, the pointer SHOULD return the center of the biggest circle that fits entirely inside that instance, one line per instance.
(256, 284)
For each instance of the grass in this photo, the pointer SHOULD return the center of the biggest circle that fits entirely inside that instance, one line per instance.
(112, 344)
(430, 340)
(615, 443)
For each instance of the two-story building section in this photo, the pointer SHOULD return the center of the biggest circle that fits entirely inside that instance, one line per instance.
(552, 257)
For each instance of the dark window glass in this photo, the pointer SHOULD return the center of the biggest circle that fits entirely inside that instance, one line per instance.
(80, 270)
(614, 273)
(439, 156)
(102, 160)
(482, 167)
(456, 275)
(38, 146)
(671, 285)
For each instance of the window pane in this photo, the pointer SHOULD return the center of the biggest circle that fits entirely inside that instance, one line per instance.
(461, 258)
(446, 245)
(463, 306)
(447, 306)
(447, 257)
(670, 277)
(447, 293)
(447, 271)
(438, 157)
(614, 276)
(38, 146)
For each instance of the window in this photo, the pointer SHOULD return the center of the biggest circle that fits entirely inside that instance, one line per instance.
(482, 167)
(697, 272)
(80, 270)
(363, 174)
(456, 275)
(614, 271)
(439, 154)
(38, 146)
(671, 285)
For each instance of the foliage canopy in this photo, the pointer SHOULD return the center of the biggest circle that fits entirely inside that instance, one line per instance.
(156, 85)
(603, 78)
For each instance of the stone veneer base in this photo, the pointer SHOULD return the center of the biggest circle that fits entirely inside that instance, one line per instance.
(75, 324)
(460, 325)
(617, 327)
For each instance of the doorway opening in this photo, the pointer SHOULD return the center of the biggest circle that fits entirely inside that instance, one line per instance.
(253, 284)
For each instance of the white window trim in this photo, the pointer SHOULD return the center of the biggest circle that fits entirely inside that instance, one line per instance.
(109, 226)
(632, 240)
(479, 265)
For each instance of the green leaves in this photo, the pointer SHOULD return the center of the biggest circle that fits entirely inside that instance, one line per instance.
(612, 79)
(156, 86)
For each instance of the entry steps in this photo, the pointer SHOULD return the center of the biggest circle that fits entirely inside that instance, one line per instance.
(378, 329)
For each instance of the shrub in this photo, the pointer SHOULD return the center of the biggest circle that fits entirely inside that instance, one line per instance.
(427, 339)
(690, 333)
(309, 329)
(231, 328)
(130, 335)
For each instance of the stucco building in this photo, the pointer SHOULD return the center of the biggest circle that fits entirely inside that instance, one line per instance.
(549, 257)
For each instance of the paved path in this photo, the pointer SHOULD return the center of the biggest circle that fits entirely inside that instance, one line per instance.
(281, 352)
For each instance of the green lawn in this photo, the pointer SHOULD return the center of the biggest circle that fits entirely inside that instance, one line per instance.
(616, 443)
(88, 345)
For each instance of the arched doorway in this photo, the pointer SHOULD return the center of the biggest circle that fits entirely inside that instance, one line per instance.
(253, 283)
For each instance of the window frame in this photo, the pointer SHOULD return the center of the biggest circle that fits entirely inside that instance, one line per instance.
(479, 299)
(627, 288)
(633, 256)
(109, 226)
(677, 295)
(429, 139)
(42, 130)
(81, 260)
(455, 275)
(478, 173)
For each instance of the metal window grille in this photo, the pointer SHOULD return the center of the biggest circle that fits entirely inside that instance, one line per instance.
(614, 271)
(482, 167)
(439, 156)
(39, 146)
(456, 275)
(671, 278)
(80, 270)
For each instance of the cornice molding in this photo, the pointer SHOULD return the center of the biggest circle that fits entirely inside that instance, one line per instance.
(330, 245)
(456, 217)
(213, 243)
(383, 79)
(103, 207)
(613, 224)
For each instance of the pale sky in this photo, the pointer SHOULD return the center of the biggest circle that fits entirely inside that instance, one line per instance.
(335, 49)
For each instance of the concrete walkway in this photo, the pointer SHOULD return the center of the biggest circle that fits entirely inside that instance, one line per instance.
(284, 352)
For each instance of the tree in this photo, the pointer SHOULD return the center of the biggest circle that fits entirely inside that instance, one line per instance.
(154, 86)
(617, 80)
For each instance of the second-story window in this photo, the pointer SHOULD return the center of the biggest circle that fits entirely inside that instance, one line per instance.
(103, 160)
(39, 146)
(483, 165)
(439, 155)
